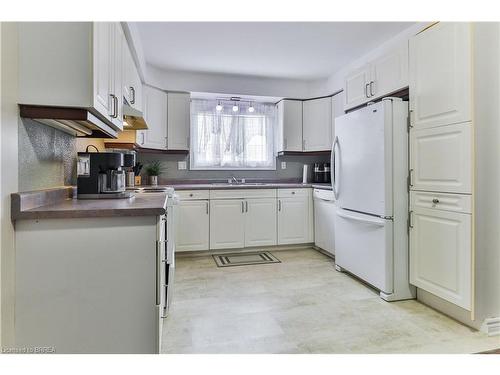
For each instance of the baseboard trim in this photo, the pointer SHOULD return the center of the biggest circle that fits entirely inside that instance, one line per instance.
(188, 254)
(491, 326)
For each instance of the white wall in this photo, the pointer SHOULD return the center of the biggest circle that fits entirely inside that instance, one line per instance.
(8, 172)
(226, 83)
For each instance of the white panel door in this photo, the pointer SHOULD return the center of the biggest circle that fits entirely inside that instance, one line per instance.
(440, 254)
(317, 125)
(363, 177)
(441, 159)
(389, 73)
(192, 222)
(260, 222)
(103, 67)
(356, 87)
(364, 247)
(179, 105)
(289, 137)
(227, 223)
(441, 75)
(293, 220)
(324, 217)
(117, 74)
(155, 113)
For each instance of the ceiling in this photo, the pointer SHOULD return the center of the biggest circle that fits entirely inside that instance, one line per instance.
(291, 50)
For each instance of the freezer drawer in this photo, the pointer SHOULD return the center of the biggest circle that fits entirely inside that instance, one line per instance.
(363, 247)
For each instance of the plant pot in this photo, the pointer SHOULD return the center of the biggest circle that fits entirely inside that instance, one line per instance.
(153, 180)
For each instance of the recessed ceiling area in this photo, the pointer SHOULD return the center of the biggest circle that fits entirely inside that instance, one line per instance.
(289, 50)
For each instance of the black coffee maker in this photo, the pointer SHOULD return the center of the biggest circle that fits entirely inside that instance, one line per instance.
(102, 175)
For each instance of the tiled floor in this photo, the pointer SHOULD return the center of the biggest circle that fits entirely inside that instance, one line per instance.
(301, 305)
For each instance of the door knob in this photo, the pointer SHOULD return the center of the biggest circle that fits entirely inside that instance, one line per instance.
(435, 201)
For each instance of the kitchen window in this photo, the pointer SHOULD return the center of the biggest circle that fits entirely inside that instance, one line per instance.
(230, 139)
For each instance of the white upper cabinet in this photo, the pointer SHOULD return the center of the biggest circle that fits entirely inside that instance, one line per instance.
(132, 85)
(289, 129)
(155, 114)
(441, 75)
(73, 64)
(441, 159)
(356, 87)
(382, 76)
(179, 105)
(389, 73)
(317, 124)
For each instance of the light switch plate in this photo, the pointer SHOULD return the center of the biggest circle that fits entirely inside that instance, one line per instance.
(283, 165)
(181, 165)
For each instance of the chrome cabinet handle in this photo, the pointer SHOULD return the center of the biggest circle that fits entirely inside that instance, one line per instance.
(113, 107)
(158, 271)
(132, 91)
(279, 204)
(242, 207)
(143, 138)
(435, 201)
(116, 106)
(207, 209)
(410, 177)
(371, 88)
(366, 90)
(246, 206)
(410, 219)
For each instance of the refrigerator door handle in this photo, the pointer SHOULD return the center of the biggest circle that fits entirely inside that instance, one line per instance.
(373, 221)
(333, 170)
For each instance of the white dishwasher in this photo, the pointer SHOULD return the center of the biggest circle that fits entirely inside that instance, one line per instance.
(324, 215)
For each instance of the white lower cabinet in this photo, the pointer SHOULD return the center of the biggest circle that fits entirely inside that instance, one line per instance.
(260, 222)
(294, 220)
(440, 254)
(227, 223)
(192, 220)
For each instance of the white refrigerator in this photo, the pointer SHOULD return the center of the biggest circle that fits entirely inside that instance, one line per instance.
(369, 178)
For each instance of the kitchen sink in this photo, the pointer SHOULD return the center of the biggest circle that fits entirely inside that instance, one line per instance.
(238, 185)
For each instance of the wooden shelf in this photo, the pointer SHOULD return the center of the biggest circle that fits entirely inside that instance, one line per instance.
(143, 150)
(304, 153)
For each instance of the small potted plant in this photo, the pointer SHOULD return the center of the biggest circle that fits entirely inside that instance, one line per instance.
(153, 170)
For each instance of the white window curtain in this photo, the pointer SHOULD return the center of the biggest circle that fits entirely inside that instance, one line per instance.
(232, 140)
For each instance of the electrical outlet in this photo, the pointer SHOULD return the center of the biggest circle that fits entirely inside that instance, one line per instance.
(283, 165)
(181, 165)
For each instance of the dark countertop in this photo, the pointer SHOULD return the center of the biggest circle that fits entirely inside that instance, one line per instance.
(38, 205)
(58, 203)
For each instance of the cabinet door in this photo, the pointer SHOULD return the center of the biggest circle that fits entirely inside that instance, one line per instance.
(317, 126)
(227, 223)
(441, 159)
(178, 121)
(389, 73)
(103, 36)
(192, 221)
(324, 217)
(132, 85)
(356, 87)
(155, 113)
(289, 136)
(440, 254)
(441, 75)
(293, 220)
(117, 75)
(260, 222)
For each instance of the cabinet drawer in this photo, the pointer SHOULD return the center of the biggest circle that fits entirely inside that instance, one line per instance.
(446, 202)
(193, 194)
(288, 193)
(242, 193)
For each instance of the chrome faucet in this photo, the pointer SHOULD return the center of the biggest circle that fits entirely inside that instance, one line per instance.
(234, 179)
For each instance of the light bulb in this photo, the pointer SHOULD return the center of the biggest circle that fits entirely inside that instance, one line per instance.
(251, 109)
(235, 108)
(218, 107)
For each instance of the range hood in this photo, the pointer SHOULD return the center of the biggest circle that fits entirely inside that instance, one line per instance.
(133, 119)
(79, 122)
